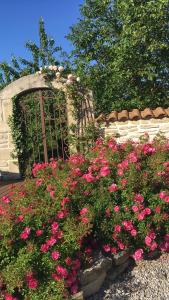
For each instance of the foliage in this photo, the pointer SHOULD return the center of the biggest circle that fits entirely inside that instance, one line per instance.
(121, 50)
(26, 126)
(42, 55)
(115, 199)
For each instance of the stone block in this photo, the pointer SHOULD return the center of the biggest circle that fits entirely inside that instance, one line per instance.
(5, 154)
(121, 123)
(116, 271)
(91, 274)
(159, 121)
(13, 167)
(3, 163)
(5, 145)
(94, 286)
(149, 126)
(146, 122)
(7, 110)
(120, 258)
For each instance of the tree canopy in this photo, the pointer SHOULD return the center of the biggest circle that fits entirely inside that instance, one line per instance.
(122, 50)
(44, 54)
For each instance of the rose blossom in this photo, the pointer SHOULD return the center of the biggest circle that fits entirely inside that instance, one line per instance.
(120, 172)
(89, 177)
(117, 228)
(104, 171)
(148, 241)
(116, 208)
(32, 283)
(39, 232)
(44, 248)
(153, 246)
(138, 255)
(55, 255)
(138, 198)
(62, 271)
(68, 261)
(83, 211)
(106, 248)
(133, 232)
(113, 188)
(135, 208)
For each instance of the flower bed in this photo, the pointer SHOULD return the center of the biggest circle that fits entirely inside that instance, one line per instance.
(115, 199)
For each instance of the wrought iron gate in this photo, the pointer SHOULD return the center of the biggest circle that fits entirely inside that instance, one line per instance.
(44, 125)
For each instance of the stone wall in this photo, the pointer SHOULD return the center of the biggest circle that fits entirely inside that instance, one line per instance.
(131, 125)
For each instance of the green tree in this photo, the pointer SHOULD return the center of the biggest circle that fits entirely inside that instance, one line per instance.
(122, 49)
(44, 54)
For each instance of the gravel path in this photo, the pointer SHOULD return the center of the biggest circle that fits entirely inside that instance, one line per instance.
(148, 280)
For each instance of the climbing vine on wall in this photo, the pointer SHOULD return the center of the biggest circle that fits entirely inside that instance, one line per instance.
(26, 121)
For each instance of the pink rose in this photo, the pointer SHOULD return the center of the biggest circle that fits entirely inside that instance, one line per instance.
(133, 232)
(52, 241)
(116, 208)
(135, 208)
(141, 216)
(83, 211)
(147, 211)
(162, 195)
(39, 232)
(54, 227)
(32, 283)
(120, 172)
(62, 271)
(148, 241)
(152, 235)
(39, 182)
(113, 188)
(138, 198)
(55, 255)
(106, 248)
(44, 248)
(153, 246)
(138, 255)
(68, 261)
(89, 177)
(117, 228)
(85, 220)
(104, 171)
(113, 250)
(60, 215)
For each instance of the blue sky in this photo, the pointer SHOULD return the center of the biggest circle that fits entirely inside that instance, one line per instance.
(19, 23)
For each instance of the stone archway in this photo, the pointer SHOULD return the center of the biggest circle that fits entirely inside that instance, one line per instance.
(8, 166)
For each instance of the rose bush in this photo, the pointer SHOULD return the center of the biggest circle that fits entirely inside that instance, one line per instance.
(116, 198)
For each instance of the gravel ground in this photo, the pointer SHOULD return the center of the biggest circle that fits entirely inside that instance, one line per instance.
(149, 279)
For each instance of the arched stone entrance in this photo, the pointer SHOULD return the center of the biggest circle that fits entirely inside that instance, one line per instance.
(9, 166)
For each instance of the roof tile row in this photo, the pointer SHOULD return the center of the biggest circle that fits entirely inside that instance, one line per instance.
(135, 114)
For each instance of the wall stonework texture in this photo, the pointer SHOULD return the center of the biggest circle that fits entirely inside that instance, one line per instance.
(131, 125)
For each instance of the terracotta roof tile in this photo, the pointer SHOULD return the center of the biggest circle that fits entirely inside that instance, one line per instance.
(135, 114)
(167, 111)
(113, 116)
(159, 112)
(123, 115)
(146, 113)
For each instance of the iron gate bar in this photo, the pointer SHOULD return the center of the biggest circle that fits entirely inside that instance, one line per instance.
(43, 127)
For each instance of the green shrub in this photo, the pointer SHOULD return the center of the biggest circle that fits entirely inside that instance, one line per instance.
(115, 199)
